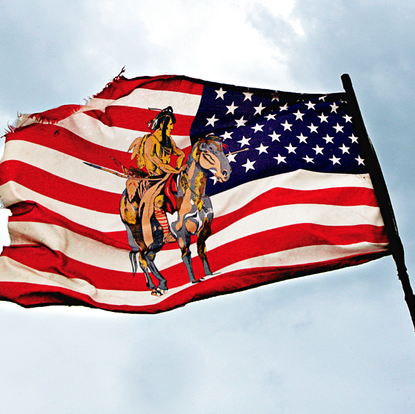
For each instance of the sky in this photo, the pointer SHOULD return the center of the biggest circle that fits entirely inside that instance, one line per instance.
(340, 342)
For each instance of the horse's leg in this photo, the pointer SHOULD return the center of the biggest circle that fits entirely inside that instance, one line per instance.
(134, 249)
(146, 256)
(145, 268)
(202, 236)
(184, 244)
(162, 287)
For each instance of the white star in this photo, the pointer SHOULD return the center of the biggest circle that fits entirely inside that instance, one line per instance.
(313, 128)
(354, 139)
(249, 165)
(257, 128)
(248, 96)
(231, 157)
(259, 109)
(318, 150)
(280, 159)
(270, 116)
(335, 160)
(348, 118)
(262, 148)
(274, 136)
(308, 159)
(227, 135)
(338, 128)
(302, 138)
(244, 141)
(215, 180)
(334, 107)
(240, 122)
(220, 93)
(323, 118)
(344, 149)
(284, 107)
(322, 98)
(286, 125)
(211, 121)
(310, 105)
(298, 115)
(360, 160)
(328, 139)
(291, 149)
(231, 108)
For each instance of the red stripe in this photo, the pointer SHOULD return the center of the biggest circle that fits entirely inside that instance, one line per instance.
(121, 86)
(56, 114)
(62, 140)
(162, 219)
(294, 236)
(107, 202)
(347, 196)
(63, 190)
(256, 245)
(137, 119)
(30, 295)
(46, 260)
(30, 211)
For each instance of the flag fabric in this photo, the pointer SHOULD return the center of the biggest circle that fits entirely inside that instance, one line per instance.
(297, 198)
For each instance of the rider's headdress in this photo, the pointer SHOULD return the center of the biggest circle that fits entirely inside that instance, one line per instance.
(161, 117)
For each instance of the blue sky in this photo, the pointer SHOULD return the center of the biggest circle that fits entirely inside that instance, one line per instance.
(340, 342)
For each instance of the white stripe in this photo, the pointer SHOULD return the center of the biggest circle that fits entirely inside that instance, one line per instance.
(94, 253)
(12, 193)
(182, 103)
(73, 169)
(64, 166)
(306, 255)
(237, 197)
(224, 203)
(111, 137)
(97, 103)
(281, 216)
(9, 268)
(86, 127)
(317, 254)
(93, 130)
(73, 245)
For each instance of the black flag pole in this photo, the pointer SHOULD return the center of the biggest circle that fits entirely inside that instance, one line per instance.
(379, 185)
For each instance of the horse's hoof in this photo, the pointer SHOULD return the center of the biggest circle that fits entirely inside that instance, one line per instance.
(158, 292)
(198, 280)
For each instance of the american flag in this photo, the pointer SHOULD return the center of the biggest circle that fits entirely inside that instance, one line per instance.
(299, 200)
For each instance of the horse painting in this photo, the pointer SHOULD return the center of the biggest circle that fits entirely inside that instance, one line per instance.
(143, 205)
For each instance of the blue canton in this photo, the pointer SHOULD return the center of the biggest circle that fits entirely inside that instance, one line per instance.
(268, 132)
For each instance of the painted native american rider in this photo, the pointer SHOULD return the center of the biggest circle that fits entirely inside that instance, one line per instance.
(153, 154)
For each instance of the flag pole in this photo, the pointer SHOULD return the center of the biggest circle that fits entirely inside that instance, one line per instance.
(379, 185)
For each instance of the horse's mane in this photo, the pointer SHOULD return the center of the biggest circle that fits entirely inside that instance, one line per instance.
(195, 153)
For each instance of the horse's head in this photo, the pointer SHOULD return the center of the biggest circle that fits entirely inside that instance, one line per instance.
(208, 152)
